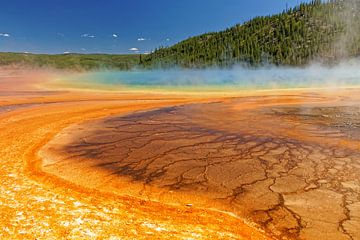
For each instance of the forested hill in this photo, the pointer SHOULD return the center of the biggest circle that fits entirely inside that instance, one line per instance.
(321, 31)
(72, 61)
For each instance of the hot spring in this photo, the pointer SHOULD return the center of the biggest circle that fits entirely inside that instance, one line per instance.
(214, 79)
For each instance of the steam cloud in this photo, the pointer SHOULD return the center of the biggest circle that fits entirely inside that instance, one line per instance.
(344, 74)
(348, 15)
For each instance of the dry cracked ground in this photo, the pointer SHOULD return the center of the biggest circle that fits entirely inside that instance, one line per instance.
(37, 205)
(291, 164)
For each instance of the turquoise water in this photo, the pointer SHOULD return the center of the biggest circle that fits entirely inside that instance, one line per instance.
(235, 78)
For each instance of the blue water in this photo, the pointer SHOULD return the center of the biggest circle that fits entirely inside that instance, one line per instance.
(236, 78)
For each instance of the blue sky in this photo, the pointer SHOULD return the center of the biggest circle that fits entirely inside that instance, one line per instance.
(119, 26)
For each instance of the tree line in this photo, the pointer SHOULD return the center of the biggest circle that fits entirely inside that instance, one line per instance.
(316, 31)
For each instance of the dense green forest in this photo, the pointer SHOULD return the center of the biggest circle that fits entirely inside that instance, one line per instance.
(79, 62)
(321, 31)
(316, 31)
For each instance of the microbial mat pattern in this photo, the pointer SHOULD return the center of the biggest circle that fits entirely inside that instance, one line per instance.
(36, 205)
(290, 163)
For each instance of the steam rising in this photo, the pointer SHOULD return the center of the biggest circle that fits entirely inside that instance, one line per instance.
(344, 13)
(348, 14)
(343, 75)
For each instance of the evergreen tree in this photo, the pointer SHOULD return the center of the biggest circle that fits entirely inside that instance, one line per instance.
(326, 31)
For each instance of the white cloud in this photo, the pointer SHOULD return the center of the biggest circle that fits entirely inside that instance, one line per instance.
(115, 35)
(87, 35)
(141, 39)
(168, 39)
(66, 52)
(83, 49)
(4, 35)
(134, 49)
(61, 34)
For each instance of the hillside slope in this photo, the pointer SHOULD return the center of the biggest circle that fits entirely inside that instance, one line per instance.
(77, 62)
(311, 31)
